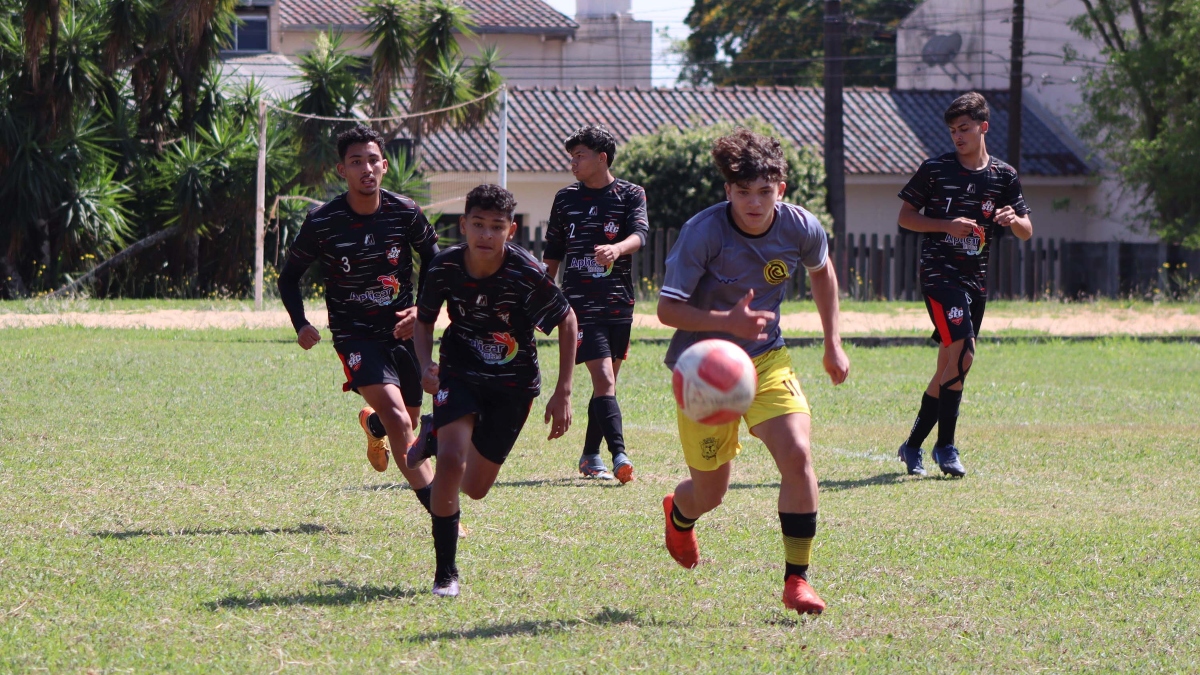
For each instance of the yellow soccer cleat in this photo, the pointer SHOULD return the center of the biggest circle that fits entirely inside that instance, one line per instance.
(377, 448)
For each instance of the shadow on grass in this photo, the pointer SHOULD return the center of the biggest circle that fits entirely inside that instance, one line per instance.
(557, 482)
(347, 594)
(605, 617)
(303, 528)
(378, 487)
(833, 485)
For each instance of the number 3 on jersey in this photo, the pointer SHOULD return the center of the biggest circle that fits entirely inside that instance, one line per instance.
(345, 264)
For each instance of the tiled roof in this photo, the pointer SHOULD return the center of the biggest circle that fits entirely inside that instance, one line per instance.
(491, 16)
(887, 131)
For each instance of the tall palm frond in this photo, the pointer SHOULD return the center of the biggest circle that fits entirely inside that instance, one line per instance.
(484, 76)
(330, 89)
(392, 35)
(441, 23)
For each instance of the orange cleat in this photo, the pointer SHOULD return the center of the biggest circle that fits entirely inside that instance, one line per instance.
(680, 544)
(622, 468)
(798, 595)
(377, 448)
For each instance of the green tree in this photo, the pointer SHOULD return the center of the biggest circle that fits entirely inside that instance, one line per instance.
(1144, 107)
(676, 168)
(781, 42)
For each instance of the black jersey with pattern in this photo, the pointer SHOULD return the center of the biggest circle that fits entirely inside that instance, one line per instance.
(367, 264)
(945, 189)
(582, 219)
(490, 341)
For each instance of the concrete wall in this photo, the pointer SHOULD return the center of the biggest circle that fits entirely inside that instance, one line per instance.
(610, 51)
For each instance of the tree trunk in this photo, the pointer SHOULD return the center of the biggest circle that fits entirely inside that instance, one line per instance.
(192, 264)
(132, 250)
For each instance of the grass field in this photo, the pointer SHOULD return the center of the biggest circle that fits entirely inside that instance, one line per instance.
(200, 502)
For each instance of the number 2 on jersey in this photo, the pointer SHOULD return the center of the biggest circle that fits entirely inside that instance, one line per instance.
(571, 232)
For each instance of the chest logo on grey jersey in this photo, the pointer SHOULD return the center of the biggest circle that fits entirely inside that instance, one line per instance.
(369, 240)
(776, 272)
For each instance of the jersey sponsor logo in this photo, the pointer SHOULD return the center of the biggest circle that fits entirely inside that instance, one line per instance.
(393, 255)
(381, 296)
(971, 244)
(989, 207)
(776, 272)
(501, 349)
(594, 211)
(354, 361)
(369, 240)
(955, 314)
(589, 266)
(503, 316)
(441, 397)
(611, 230)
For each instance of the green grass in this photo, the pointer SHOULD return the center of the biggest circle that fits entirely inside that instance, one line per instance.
(199, 502)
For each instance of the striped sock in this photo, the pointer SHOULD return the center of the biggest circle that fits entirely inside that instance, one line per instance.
(799, 529)
(682, 522)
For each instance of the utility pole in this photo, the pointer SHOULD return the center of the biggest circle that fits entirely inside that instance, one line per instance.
(260, 204)
(835, 146)
(1016, 78)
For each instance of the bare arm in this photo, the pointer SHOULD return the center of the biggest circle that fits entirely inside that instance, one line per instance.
(740, 321)
(825, 295)
(558, 408)
(551, 267)
(911, 218)
(1021, 226)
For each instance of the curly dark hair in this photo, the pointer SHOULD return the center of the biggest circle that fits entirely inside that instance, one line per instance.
(971, 104)
(745, 156)
(596, 139)
(491, 198)
(358, 134)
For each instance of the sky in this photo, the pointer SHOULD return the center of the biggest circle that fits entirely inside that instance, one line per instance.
(668, 14)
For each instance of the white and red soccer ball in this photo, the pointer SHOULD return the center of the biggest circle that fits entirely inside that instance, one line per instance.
(714, 382)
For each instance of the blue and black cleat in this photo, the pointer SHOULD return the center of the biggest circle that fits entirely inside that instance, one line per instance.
(946, 457)
(912, 458)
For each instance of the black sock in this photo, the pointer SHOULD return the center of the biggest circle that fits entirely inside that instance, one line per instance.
(926, 419)
(610, 422)
(681, 522)
(445, 547)
(798, 532)
(423, 496)
(948, 401)
(595, 432)
(375, 426)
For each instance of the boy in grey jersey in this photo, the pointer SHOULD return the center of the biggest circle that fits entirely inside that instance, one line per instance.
(725, 279)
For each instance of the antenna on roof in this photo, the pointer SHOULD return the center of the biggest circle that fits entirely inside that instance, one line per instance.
(941, 49)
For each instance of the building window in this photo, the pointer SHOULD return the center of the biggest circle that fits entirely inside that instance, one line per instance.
(250, 35)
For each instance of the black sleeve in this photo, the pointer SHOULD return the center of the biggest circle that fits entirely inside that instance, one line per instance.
(637, 221)
(429, 300)
(920, 188)
(556, 244)
(423, 240)
(1014, 197)
(300, 256)
(545, 303)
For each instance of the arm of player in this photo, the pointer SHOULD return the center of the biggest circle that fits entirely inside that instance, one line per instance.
(558, 408)
(293, 301)
(551, 267)
(1021, 226)
(607, 253)
(911, 218)
(740, 321)
(423, 343)
(825, 295)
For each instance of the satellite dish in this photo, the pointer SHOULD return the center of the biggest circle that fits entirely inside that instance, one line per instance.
(941, 49)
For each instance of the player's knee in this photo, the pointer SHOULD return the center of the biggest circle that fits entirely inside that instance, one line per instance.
(476, 492)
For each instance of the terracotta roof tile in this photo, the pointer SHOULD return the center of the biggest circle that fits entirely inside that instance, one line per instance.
(888, 132)
(491, 16)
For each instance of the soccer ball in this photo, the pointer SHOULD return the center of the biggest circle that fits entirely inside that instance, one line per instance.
(714, 382)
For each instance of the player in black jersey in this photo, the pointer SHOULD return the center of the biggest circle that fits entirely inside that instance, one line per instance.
(595, 225)
(363, 240)
(487, 376)
(969, 199)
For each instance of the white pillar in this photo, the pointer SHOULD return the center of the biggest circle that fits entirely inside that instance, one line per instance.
(502, 160)
(260, 205)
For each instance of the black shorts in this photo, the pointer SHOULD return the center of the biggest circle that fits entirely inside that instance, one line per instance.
(957, 313)
(602, 341)
(499, 415)
(395, 362)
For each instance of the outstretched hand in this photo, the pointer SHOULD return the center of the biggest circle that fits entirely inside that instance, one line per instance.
(746, 323)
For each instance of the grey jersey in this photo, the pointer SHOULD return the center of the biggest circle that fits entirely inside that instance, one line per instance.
(714, 264)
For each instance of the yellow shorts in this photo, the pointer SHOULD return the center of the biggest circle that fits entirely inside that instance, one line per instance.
(707, 448)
